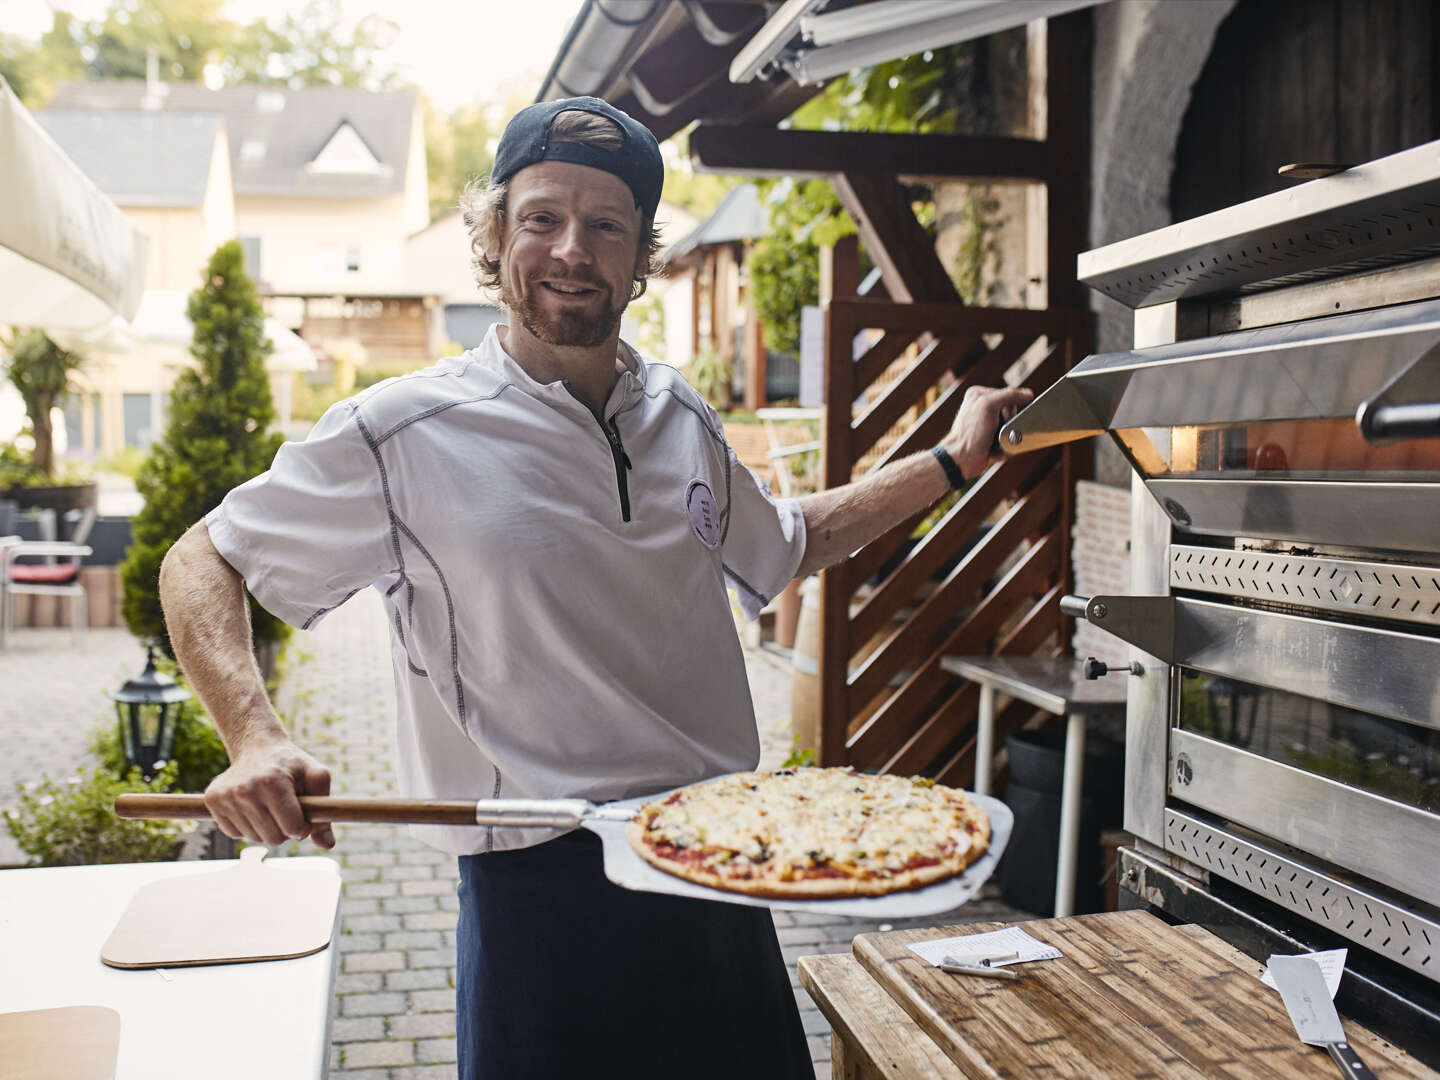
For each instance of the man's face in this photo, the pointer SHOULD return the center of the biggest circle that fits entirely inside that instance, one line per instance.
(572, 239)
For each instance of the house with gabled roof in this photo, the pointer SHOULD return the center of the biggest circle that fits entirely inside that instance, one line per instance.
(328, 183)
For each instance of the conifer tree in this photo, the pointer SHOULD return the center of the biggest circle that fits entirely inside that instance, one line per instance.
(217, 437)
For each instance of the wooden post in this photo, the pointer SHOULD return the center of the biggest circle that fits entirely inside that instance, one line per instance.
(1067, 131)
(835, 584)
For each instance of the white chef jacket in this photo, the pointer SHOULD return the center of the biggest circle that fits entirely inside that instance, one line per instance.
(543, 645)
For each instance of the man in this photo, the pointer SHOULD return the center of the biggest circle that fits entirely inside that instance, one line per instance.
(552, 522)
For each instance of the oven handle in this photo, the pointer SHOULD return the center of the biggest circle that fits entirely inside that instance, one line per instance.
(1385, 423)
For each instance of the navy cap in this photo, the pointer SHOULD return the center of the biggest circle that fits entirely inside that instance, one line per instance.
(527, 141)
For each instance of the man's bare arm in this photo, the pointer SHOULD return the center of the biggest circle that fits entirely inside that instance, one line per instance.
(208, 618)
(842, 520)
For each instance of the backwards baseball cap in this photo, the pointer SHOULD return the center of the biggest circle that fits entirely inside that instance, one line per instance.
(527, 141)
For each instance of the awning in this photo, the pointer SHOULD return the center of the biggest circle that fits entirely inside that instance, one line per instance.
(69, 258)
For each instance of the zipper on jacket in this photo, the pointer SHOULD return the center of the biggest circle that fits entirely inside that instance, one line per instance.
(622, 464)
(617, 451)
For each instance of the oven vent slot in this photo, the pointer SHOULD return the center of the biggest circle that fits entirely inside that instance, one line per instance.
(1397, 591)
(1396, 934)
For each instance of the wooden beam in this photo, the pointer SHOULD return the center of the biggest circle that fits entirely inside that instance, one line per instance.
(1067, 105)
(895, 240)
(770, 151)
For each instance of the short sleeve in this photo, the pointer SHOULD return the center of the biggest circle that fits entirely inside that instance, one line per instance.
(764, 539)
(313, 530)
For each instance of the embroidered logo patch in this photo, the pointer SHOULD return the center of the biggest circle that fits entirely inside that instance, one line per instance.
(704, 514)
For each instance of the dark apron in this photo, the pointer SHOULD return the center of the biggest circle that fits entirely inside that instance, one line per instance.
(563, 975)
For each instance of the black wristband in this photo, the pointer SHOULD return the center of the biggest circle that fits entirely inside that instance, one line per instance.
(952, 471)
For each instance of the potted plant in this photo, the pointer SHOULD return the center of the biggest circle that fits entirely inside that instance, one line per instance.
(41, 371)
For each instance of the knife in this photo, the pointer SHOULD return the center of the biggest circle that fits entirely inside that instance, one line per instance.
(1307, 999)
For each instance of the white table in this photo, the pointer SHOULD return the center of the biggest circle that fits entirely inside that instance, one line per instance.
(1057, 685)
(268, 1020)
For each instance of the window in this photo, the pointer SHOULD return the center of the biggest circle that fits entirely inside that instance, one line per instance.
(251, 245)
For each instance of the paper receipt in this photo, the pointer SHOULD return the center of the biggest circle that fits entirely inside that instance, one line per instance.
(1332, 966)
(974, 947)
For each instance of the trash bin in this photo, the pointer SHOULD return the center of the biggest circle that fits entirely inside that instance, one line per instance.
(1026, 874)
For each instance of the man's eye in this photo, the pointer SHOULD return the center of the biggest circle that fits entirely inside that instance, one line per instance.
(608, 226)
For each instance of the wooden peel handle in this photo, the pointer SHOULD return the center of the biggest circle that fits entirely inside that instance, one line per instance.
(317, 808)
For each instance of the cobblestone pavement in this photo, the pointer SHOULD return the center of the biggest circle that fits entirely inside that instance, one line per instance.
(395, 1007)
(54, 693)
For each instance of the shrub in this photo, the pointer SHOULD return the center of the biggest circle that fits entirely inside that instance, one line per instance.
(73, 822)
(217, 438)
(41, 371)
(198, 756)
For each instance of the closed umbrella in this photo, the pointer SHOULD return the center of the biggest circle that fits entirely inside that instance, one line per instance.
(69, 258)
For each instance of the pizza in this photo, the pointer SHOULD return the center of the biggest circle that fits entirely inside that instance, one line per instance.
(812, 833)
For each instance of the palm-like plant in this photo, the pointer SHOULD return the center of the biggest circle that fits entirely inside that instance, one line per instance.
(41, 371)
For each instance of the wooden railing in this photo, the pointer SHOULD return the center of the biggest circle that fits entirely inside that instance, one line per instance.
(885, 702)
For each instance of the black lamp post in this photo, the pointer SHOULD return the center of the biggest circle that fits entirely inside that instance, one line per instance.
(149, 708)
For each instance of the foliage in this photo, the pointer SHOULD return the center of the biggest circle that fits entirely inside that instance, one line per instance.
(73, 823)
(647, 317)
(41, 371)
(194, 41)
(699, 193)
(217, 438)
(126, 461)
(800, 757)
(919, 94)
(458, 148)
(711, 377)
(197, 758)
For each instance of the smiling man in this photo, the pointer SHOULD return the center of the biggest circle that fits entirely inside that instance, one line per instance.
(552, 521)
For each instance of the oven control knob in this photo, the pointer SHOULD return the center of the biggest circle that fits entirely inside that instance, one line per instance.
(1093, 668)
(1177, 512)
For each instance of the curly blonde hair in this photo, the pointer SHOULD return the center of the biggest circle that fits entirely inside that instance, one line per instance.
(482, 206)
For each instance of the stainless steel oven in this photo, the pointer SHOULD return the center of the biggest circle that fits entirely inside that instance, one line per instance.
(1281, 412)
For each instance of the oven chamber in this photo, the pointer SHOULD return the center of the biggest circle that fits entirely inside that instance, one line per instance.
(1281, 413)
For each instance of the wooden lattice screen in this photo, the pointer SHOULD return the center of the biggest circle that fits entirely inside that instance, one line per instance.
(885, 702)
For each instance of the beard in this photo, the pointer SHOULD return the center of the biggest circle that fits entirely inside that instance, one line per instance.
(577, 328)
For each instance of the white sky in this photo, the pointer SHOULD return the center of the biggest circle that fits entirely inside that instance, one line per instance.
(460, 51)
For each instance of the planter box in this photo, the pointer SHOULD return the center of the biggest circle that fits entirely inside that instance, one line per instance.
(60, 498)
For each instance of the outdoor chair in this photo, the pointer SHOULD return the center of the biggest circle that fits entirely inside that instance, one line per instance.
(56, 573)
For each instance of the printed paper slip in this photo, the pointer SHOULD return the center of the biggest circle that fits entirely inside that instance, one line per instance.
(973, 947)
(1332, 966)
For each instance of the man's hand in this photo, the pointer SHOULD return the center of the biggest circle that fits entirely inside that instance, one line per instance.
(256, 797)
(981, 413)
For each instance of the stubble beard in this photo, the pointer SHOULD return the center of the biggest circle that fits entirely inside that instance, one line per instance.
(569, 328)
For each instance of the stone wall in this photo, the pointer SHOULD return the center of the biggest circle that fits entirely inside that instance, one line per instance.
(1148, 55)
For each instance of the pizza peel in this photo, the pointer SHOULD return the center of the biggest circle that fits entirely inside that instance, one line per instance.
(246, 912)
(623, 865)
(77, 1042)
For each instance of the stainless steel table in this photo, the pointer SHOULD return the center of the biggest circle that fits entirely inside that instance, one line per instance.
(1057, 685)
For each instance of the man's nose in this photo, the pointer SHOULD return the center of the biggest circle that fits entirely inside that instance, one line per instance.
(570, 244)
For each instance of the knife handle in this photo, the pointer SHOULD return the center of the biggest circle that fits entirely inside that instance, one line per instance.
(1349, 1061)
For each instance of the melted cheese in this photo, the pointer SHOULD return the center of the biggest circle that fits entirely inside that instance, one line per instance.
(792, 820)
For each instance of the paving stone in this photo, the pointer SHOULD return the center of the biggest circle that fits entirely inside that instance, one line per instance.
(422, 1025)
(814, 1022)
(424, 1072)
(415, 939)
(415, 872)
(374, 961)
(428, 887)
(800, 935)
(380, 924)
(364, 890)
(431, 1001)
(818, 1044)
(369, 1054)
(360, 1074)
(357, 1029)
(348, 942)
(423, 958)
(363, 983)
(380, 1004)
(408, 905)
(349, 907)
(435, 1051)
(430, 920)
(419, 979)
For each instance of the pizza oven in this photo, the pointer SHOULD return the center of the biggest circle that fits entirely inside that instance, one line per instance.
(1281, 413)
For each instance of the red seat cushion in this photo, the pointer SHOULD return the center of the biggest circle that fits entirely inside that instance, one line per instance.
(58, 574)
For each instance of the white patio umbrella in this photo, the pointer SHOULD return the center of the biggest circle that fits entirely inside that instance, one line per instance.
(69, 258)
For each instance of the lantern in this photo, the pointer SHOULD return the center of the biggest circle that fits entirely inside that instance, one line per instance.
(149, 708)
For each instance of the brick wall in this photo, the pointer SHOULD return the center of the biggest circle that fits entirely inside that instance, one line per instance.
(1100, 560)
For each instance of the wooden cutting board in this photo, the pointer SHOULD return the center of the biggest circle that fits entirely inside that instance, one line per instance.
(249, 911)
(79, 1042)
(1131, 997)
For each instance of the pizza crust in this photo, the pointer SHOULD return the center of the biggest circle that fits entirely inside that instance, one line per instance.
(964, 835)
